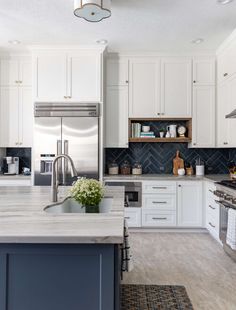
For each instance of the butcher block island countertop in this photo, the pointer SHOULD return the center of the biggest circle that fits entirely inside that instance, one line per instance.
(23, 220)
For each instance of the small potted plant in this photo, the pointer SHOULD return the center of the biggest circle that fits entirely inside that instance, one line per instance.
(162, 133)
(89, 193)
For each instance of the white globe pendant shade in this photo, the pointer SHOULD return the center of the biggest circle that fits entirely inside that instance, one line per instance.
(92, 10)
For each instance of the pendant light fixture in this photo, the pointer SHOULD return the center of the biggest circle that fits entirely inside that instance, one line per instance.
(92, 10)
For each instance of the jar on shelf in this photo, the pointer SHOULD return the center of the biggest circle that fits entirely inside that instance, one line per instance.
(113, 168)
(137, 168)
(125, 168)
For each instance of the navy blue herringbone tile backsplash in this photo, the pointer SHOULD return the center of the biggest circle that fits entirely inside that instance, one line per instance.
(158, 157)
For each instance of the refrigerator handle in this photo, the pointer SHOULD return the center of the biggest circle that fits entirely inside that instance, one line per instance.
(65, 168)
(59, 164)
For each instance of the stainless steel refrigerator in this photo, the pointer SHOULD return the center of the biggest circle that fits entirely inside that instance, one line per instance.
(72, 129)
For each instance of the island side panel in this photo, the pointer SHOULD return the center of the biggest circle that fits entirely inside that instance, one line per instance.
(58, 277)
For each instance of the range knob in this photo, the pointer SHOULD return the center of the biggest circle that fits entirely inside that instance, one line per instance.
(219, 194)
(228, 197)
(233, 201)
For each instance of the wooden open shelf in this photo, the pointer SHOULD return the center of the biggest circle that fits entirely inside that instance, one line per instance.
(161, 140)
(188, 124)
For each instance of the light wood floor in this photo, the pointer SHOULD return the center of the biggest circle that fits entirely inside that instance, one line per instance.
(194, 260)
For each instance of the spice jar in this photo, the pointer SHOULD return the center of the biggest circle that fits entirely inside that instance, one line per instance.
(113, 168)
(137, 168)
(125, 168)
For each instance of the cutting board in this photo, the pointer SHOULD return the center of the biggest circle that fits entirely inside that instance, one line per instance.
(178, 163)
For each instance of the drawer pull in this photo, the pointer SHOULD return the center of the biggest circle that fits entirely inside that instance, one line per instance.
(211, 225)
(212, 207)
(159, 202)
(211, 191)
(127, 217)
(159, 218)
(159, 187)
(226, 74)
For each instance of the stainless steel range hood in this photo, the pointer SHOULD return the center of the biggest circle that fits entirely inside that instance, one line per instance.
(231, 115)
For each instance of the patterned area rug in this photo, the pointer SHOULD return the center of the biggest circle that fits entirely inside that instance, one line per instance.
(154, 297)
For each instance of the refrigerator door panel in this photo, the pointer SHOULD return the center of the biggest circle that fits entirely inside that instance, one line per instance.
(47, 144)
(80, 141)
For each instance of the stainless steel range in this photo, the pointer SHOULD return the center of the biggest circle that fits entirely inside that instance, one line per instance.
(226, 194)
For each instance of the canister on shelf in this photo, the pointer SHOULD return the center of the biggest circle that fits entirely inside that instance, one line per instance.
(125, 168)
(113, 168)
(137, 168)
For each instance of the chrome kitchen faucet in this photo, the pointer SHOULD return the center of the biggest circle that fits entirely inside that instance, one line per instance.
(55, 182)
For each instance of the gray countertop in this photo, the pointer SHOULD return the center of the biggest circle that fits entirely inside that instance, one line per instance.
(22, 219)
(168, 177)
(14, 177)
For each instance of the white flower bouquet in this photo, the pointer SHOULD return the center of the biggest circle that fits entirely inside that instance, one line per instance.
(89, 193)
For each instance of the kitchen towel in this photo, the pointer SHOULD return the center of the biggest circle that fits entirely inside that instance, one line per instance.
(231, 230)
(127, 261)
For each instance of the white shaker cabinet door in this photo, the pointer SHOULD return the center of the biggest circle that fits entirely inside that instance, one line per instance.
(117, 70)
(203, 116)
(116, 106)
(190, 204)
(144, 87)
(25, 72)
(84, 77)
(226, 134)
(25, 117)
(9, 117)
(204, 71)
(9, 72)
(176, 87)
(50, 73)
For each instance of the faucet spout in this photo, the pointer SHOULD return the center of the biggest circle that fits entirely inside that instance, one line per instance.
(55, 183)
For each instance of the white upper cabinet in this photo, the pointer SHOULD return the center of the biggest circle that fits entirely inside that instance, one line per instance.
(204, 71)
(117, 72)
(144, 87)
(190, 204)
(84, 76)
(176, 87)
(226, 133)
(50, 74)
(16, 114)
(226, 62)
(16, 71)
(116, 103)
(26, 117)
(116, 106)
(203, 116)
(9, 113)
(68, 75)
(25, 72)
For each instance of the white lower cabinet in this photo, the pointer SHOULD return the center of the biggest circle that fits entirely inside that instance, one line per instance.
(158, 218)
(212, 211)
(159, 204)
(133, 217)
(190, 204)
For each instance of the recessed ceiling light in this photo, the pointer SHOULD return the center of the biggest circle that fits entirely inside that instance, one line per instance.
(15, 42)
(224, 1)
(102, 41)
(197, 41)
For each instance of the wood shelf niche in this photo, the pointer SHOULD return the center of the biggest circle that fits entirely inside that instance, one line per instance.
(187, 122)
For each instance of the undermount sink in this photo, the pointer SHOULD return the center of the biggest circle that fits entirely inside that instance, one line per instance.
(69, 205)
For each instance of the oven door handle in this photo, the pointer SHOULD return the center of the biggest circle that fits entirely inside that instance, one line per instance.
(222, 204)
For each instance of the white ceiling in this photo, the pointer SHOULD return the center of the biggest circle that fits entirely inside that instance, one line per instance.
(150, 25)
